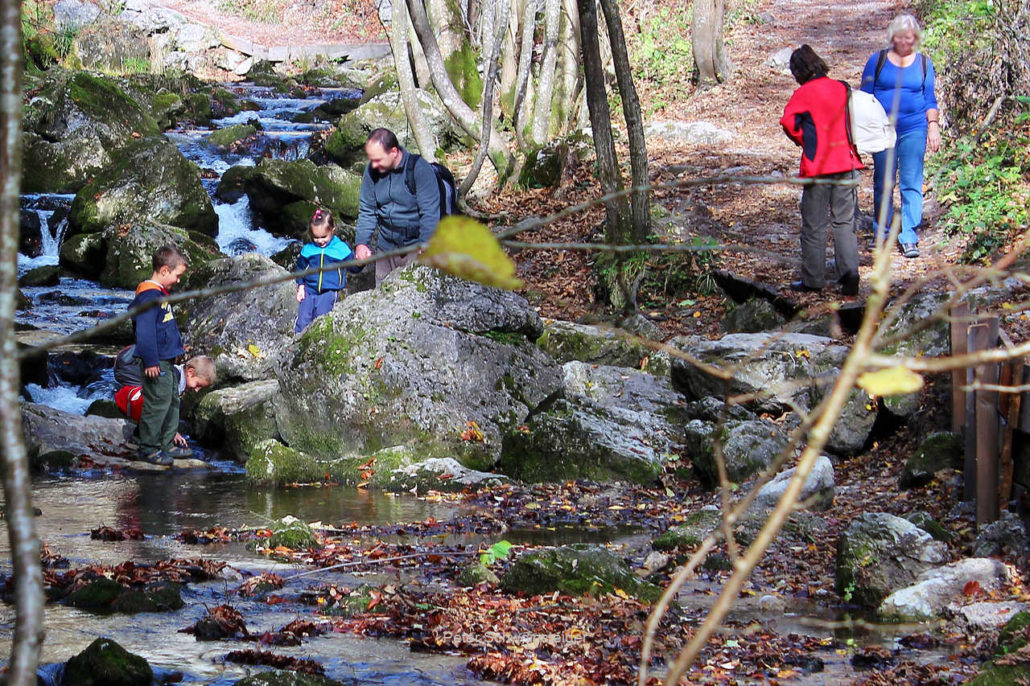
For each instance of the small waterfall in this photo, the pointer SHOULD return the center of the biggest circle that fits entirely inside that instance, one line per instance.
(51, 242)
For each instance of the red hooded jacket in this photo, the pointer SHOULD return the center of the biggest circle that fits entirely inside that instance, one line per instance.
(816, 119)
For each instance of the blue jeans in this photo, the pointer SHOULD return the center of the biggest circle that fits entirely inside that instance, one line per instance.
(909, 152)
(313, 305)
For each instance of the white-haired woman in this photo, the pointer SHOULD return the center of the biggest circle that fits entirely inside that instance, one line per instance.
(902, 80)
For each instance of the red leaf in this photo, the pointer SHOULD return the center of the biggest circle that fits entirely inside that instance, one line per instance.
(972, 588)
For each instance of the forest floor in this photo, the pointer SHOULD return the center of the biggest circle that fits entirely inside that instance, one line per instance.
(763, 221)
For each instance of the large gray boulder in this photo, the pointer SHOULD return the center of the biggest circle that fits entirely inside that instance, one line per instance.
(245, 330)
(938, 451)
(285, 193)
(568, 342)
(109, 45)
(936, 589)
(748, 447)
(346, 144)
(578, 569)
(782, 371)
(818, 487)
(879, 554)
(150, 181)
(425, 358)
(75, 125)
(612, 423)
(238, 418)
(129, 251)
(441, 474)
(72, 15)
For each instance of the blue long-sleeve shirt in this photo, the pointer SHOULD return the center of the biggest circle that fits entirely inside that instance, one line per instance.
(902, 91)
(386, 203)
(334, 252)
(157, 335)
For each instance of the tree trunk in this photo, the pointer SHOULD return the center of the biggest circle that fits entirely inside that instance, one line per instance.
(710, 58)
(28, 576)
(521, 104)
(634, 123)
(424, 138)
(510, 60)
(500, 155)
(499, 9)
(544, 107)
(570, 85)
(601, 122)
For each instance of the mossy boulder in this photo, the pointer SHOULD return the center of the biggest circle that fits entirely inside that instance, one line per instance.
(112, 46)
(238, 417)
(938, 451)
(694, 529)
(105, 663)
(412, 363)
(75, 125)
(752, 316)
(346, 144)
(271, 463)
(162, 596)
(166, 108)
(275, 184)
(568, 342)
(290, 532)
(231, 185)
(130, 251)
(1015, 634)
(384, 82)
(96, 595)
(287, 678)
(149, 181)
(103, 407)
(580, 569)
(84, 254)
(1001, 675)
(748, 447)
(930, 525)
(475, 574)
(225, 137)
(440, 474)
(879, 554)
(243, 331)
(47, 275)
(263, 73)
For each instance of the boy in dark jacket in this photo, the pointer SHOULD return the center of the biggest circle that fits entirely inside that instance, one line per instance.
(158, 343)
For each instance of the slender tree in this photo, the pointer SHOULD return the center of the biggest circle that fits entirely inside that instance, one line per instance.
(427, 143)
(548, 72)
(28, 576)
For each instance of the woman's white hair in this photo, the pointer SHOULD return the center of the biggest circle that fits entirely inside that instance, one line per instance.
(901, 24)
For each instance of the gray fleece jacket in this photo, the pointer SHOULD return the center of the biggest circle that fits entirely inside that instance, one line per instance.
(385, 203)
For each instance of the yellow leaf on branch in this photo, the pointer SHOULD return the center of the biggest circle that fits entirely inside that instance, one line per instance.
(463, 247)
(892, 381)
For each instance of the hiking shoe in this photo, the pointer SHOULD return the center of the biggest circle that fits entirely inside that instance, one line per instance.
(158, 457)
(179, 453)
(910, 250)
(849, 284)
(802, 287)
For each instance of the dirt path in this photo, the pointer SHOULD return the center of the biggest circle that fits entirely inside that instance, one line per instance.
(767, 218)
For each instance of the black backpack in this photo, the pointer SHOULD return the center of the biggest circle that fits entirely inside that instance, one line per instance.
(444, 179)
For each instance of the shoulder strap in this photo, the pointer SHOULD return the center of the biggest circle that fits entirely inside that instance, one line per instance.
(847, 112)
(881, 59)
(409, 172)
(923, 60)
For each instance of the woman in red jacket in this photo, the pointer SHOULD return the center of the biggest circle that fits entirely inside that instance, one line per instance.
(816, 119)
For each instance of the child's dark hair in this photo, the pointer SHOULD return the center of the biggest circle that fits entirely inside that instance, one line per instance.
(805, 65)
(323, 219)
(168, 256)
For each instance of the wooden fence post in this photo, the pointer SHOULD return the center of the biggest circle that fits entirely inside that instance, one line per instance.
(986, 403)
(959, 346)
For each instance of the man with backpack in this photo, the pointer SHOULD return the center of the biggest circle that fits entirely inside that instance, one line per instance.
(403, 197)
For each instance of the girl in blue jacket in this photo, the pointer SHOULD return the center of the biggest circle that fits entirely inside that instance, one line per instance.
(317, 293)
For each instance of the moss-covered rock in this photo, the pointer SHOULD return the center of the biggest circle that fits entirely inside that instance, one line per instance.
(150, 181)
(96, 595)
(286, 678)
(938, 451)
(748, 447)
(440, 474)
(223, 138)
(112, 46)
(102, 407)
(694, 529)
(130, 252)
(238, 417)
(568, 342)
(75, 125)
(290, 532)
(272, 463)
(47, 275)
(84, 254)
(475, 574)
(387, 110)
(166, 109)
(580, 569)
(231, 185)
(105, 663)
(277, 183)
(1001, 675)
(1015, 634)
(930, 525)
(384, 82)
(162, 596)
(752, 316)
(52, 460)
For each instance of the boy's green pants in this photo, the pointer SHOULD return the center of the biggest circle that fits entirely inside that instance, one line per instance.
(159, 419)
